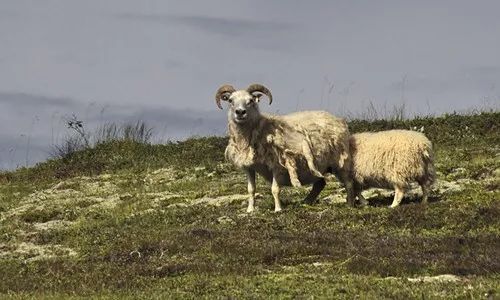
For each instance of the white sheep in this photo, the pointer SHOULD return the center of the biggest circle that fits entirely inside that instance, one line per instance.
(392, 159)
(293, 149)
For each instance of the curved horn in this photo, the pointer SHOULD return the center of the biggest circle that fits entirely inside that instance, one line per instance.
(262, 89)
(220, 95)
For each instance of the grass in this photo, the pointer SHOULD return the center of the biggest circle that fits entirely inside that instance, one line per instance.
(143, 225)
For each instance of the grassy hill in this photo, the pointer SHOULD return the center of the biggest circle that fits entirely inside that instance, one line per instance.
(133, 220)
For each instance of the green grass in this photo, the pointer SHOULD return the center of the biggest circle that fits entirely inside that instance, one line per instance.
(125, 220)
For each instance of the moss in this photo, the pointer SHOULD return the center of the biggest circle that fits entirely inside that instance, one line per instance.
(169, 221)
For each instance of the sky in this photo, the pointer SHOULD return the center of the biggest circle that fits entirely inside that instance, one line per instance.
(162, 61)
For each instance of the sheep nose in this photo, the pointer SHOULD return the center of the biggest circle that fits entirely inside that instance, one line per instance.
(241, 112)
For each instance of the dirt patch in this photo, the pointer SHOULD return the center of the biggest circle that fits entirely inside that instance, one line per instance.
(30, 251)
(439, 279)
(219, 201)
(53, 225)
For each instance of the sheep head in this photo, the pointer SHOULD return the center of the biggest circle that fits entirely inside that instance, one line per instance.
(243, 103)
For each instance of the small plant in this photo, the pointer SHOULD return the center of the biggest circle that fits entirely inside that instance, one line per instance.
(70, 145)
(77, 126)
(374, 113)
(135, 132)
(78, 141)
(81, 139)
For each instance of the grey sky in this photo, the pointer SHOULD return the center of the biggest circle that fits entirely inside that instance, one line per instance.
(162, 61)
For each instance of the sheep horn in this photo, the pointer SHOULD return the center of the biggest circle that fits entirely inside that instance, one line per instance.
(262, 89)
(220, 95)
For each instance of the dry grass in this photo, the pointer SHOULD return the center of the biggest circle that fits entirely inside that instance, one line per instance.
(133, 221)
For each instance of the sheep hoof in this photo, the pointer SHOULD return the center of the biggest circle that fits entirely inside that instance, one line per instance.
(318, 174)
(393, 206)
(277, 210)
(351, 203)
(363, 203)
(250, 210)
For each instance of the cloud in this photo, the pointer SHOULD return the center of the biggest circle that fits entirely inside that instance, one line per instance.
(486, 70)
(7, 14)
(481, 79)
(215, 25)
(233, 27)
(23, 99)
(486, 78)
(251, 34)
(422, 84)
(172, 64)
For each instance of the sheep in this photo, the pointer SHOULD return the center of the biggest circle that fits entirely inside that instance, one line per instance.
(392, 159)
(289, 157)
(293, 149)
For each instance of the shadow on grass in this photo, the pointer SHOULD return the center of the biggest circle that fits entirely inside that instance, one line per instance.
(387, 200)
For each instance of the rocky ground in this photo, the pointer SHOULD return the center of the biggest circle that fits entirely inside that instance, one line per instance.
(60, 206)
(180, 230)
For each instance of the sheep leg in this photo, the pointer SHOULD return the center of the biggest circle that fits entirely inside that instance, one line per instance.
(318, 186)
(291, 166)
(357, 192)
(425, 192)
(306, 149)
(362, 200)
(251, 190)
(398, 196)
(275, 189)
(345, 178)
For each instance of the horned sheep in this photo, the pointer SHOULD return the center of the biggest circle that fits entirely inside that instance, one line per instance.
(392, 159)
(286, 150)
